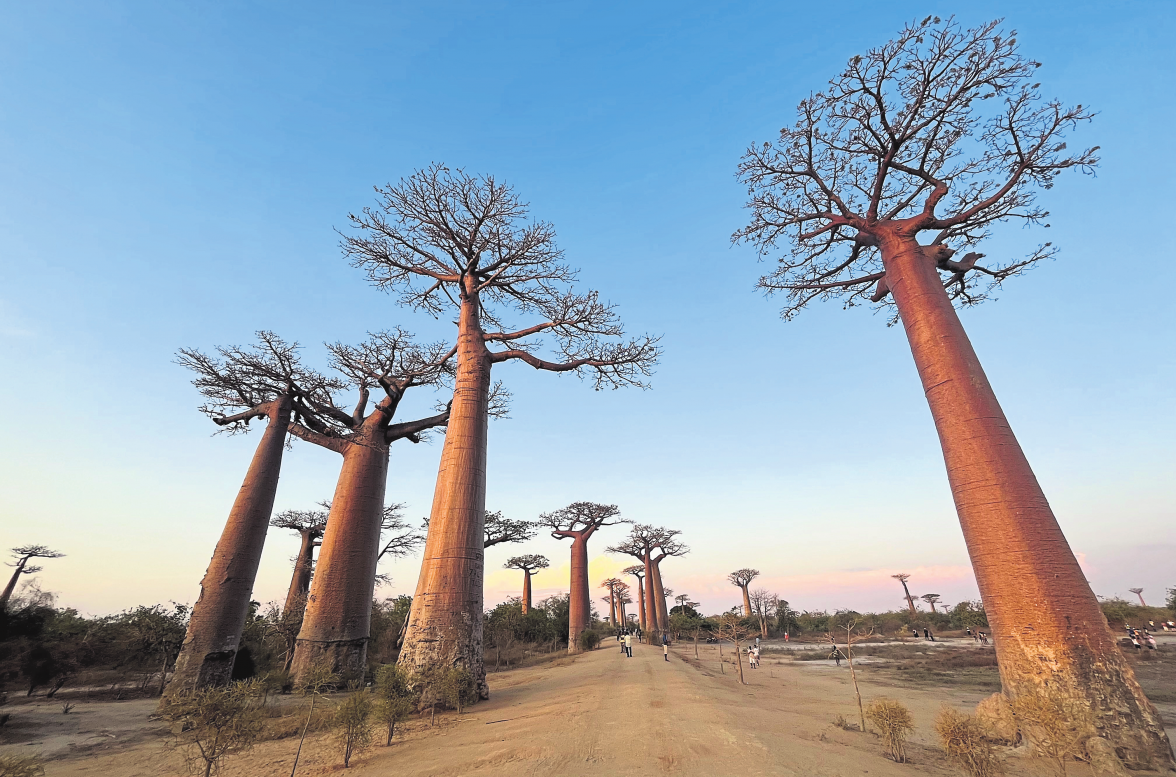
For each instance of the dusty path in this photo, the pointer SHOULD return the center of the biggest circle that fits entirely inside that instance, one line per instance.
(600, 713)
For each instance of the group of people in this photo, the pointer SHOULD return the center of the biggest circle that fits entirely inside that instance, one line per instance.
(625, 637)
(978, 635)
(926, 634)
(1141, 637)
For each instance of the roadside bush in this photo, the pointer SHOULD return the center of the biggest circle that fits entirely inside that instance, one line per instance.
(589, 640)
(1057, 729)
(214, 723)
(894, 722)
(458, 689)
(962, 737)
(395, 701)
(352, 731)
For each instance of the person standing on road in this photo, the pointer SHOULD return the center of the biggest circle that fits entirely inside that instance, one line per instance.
(666, 648)
(629, 645)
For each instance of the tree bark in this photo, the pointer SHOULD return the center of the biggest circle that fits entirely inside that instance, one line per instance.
(746, 602)
(641, 620)
(8, 589)
(300, 581)
(650, 603)
(659, 599)
(218, 618)
(910, 601)
(612, 608)
(579, 608)
(337, 624)
(526, 591)
(445, 622)
(1050, 633)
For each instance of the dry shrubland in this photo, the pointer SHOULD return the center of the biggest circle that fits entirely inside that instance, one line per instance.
(894, 723)
(963, 739)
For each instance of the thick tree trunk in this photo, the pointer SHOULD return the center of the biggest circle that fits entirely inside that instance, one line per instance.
(300, 581)
(445, 623)
(579, 608)
(624, 617)
(910, 600)
(746, 602)
(337, 624)
(659, 598)
(650, 603)
(8, 589)
(218, 618)
(641, 619)
(526, 591)
(1051, 636)
(612, 608)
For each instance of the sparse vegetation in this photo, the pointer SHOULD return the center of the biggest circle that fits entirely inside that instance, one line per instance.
(964, 740)
(211, 724)
(1057, 729)
(894, 723)
(458, 688)
(352, 729)
(21, 766)
(395, 699)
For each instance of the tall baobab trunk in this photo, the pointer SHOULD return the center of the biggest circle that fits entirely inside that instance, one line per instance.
(526, 591)
(8, 589)
(746, 602)
(650, 603)
(300, 581)
(1051, 636)
(218, 618)
(579, 609)
(641, 620)
(337, 624)
(663, 616)
(624, 618)
(445, 623)
(612, 607)
(909, 598)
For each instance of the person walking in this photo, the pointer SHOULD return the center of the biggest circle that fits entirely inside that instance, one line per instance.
(915, 633)
(926, 633)
(837, 655)
(1151, 641)
(666, 648)
(621, 637)
(628, 645)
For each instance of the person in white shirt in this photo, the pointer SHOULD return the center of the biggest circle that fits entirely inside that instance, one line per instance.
(629, 645)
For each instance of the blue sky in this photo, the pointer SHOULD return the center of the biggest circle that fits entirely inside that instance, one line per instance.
(171, 176)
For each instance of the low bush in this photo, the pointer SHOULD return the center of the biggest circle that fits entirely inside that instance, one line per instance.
(20, 766)
(963, 739)
(458, 689)
(894, 722)
(589, 640)
(352, 731)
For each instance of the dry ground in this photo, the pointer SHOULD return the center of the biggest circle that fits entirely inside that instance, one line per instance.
(598, 713)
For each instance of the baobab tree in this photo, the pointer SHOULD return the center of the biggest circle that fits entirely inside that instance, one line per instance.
(23, 556)
(742, 578)
(530, 565)
(681, 599)
(499, 529)
(930, 599)
(455, 244)
(638, 571)
(1138, 592)
(578, 522)
(310, 525)
(612, 584)
(667, 546)
(336, 628)
(644, 543)
(943, 132)
(397, 540)
(239, 385)
(903, 577)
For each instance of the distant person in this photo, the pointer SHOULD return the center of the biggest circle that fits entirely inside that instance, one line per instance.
(1151, 625)
(926, 633)
(931, 636)
(969, 631)
(915, 633)
(1135, 641)
(665, 648)
(621, 637)
(837, 655)
(628, 645)
(983, 638)
(1151, 641)
(786, 636)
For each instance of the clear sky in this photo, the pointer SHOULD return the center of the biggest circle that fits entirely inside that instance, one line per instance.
(171, 175)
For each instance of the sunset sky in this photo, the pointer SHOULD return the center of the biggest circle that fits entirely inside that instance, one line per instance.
(172, 175)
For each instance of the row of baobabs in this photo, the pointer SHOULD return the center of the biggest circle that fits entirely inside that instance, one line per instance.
(940, 134)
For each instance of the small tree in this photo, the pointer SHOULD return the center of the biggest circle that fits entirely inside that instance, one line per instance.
(763, 602)
(894, 721)
(852, 637)
(157, 633)
(1138, 592)
(211, 724)
(395, 700)
(731, 630)
(352, 730)
(23, 556)
(930, 599)
(313, 684)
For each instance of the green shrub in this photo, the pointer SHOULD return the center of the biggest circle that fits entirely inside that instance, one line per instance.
(213, 723)
(395, 700)
(589, 640)
(458, 688)
(352, 731)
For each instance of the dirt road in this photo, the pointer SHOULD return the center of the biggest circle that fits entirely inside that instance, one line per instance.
(602, 714)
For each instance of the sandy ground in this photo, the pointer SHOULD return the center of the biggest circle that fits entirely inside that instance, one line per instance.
(597, 713)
